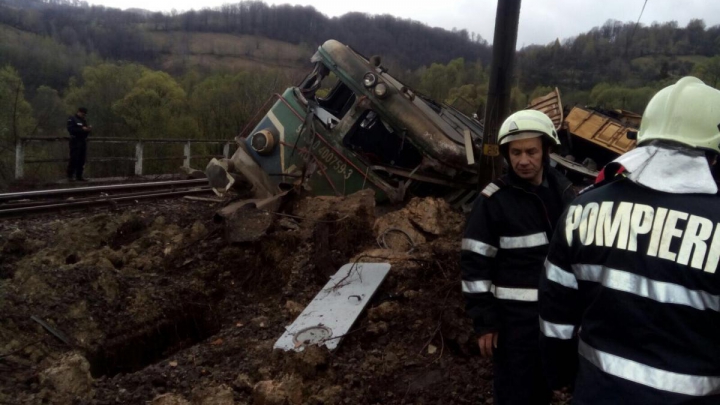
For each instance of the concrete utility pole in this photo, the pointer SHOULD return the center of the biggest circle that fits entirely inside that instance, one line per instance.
(497, 107)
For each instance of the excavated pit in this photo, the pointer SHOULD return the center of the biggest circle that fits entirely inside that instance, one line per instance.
(155, 343)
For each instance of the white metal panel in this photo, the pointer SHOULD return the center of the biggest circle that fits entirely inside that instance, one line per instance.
(335, 308)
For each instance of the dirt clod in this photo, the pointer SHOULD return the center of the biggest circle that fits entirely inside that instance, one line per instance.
(287, 391)
(385, 311)
(434, 216)
(328, 396)
(293, 308)
(169, 399)
(243, 383)
(69, 378)
(219, 395)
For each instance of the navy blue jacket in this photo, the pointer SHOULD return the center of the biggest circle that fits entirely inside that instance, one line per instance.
(75, 126)
(631, 285)
(503, 251)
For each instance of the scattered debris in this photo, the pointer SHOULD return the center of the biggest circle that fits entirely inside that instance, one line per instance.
(327, 319)
(249, 220)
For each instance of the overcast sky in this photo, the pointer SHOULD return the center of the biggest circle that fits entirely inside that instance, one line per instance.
(541, 21)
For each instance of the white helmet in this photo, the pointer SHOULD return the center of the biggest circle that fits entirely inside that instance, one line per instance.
(687, 112)
(526, 124)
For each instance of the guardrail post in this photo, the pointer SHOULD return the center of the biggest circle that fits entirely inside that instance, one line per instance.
(186, 161)
(19, 159)
(226, 150)
(139, 158)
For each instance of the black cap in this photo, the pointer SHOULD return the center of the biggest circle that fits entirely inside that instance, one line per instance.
(82, 110)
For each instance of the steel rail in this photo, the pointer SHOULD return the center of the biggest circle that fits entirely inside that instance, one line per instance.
(91, 189)
(37, 203)
(108, 200)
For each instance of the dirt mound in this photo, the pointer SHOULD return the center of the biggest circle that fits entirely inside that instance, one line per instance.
(167, 311)
(416, 223)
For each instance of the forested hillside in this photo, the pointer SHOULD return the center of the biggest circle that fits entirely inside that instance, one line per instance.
(204, 73)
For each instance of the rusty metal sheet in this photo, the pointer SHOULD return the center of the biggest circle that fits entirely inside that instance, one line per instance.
(599, 129)
(551, 105)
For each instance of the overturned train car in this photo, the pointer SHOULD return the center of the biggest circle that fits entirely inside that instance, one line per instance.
(367, 131)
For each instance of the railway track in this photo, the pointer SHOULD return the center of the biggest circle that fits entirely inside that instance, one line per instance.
(42, 201)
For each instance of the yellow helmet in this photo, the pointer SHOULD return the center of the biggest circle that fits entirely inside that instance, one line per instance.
(526, 124)
(686, 112)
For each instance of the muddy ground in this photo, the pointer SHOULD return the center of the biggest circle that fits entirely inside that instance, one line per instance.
(151, 304)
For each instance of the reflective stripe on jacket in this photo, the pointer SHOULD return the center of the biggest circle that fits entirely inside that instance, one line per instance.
(503, 250)
(631, 285)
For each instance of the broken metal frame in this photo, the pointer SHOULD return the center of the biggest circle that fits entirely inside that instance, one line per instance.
(392, 192)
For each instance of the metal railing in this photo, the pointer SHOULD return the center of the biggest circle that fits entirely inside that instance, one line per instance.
(21, 161)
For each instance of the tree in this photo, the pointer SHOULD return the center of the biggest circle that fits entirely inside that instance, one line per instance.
(156, 107)
(223, 104)
(709, 71)
(16, 118)
(101, 87)
(434, 82)
(15, 112)
(49, 110)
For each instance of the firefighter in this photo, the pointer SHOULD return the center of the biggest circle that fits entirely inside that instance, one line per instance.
(503, 251)
(630, 296)
(79, 130)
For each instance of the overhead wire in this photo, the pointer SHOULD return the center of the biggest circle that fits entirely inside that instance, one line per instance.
(637, 23)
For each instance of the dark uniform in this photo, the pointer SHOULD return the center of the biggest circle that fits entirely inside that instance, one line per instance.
(503, 251)
(78, 146)
(631, 285)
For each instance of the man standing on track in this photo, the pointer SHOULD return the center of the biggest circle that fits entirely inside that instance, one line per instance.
(79, 131)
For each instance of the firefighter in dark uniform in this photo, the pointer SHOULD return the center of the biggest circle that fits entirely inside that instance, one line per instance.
(503, 252)
(79, 130)
(630, 298)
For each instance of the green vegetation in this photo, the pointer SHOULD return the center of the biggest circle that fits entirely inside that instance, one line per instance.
(131, 101)
(16, 117)
(203, 74)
